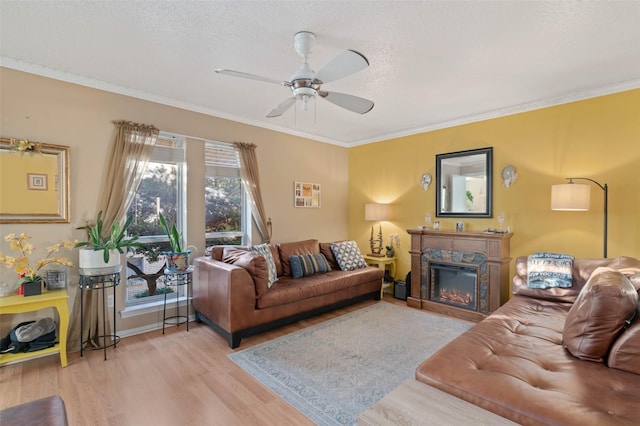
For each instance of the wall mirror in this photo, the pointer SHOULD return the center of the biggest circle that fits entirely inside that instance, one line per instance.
(34, 182)
(464, 183)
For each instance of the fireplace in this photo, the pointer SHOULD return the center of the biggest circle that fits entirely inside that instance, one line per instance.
(455, 285)
(461, 274)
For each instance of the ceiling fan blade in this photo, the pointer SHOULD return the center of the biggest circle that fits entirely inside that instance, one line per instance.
(282, 108)
(346, 63)
(251, 76)
(350, 102)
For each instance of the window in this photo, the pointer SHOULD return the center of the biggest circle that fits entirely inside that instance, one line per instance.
(228, 219)
(162, 190)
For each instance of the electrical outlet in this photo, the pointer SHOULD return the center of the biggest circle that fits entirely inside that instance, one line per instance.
(110, 301)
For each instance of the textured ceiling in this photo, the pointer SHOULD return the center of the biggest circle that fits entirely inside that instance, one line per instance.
(432, 64)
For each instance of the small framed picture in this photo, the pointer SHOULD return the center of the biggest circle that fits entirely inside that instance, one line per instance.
(37, 181)
(306, 194)
(56, 279)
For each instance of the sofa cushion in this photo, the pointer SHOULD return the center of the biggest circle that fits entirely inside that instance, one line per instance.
(599, 314)
(295, 249)
(582, 270)
(348, 255)
(308, 264)
(256, 266)
(289, 291)
(265, 251)
(625, 351)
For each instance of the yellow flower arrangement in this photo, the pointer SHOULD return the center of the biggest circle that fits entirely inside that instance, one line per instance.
(21, 265)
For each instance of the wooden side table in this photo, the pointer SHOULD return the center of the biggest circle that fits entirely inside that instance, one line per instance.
(382, 262)
(17, 304)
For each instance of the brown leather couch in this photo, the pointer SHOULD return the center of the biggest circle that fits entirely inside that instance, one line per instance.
(518, 362)
(234, 300)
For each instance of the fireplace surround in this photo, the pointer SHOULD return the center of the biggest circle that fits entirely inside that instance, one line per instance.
(461, 274)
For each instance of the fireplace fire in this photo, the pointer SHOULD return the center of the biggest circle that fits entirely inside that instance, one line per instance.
(454, 284)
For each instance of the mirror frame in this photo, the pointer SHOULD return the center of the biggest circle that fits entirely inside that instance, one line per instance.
(488, 154)
(59, 182)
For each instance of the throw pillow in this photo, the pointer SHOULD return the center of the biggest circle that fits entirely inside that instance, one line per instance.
(308, 264)
(294, 249)
(348, 255)
(598, 315)
(256, 265)
(325, 248)
(547, 270)
(230, 253)
(265, 251)
(625, 351)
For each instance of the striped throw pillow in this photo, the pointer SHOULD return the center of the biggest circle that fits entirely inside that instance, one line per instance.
(308, 264)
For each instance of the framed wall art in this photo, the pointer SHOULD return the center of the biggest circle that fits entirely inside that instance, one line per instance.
(34, 182)
(306, 194)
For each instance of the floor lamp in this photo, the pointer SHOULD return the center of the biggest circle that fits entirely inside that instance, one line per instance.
(576, 197)
(376, 212)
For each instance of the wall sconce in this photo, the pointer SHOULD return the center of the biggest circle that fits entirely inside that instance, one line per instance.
(509, 176)
(425, 181)
(376, 212)
(576, 197)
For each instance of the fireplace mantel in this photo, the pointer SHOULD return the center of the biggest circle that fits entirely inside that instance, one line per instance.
(495, 251)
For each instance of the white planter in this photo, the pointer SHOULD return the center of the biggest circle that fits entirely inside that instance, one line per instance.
(91, 262)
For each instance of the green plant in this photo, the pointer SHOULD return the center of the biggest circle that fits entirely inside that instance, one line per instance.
(469, 196)
(116, 239)
(175, 239)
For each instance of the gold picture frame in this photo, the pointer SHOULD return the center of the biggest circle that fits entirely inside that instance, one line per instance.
(306, 195)
(34, 182)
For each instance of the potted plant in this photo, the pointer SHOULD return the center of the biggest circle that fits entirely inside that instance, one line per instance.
(30, 279)
(177, 258)
(103, 251)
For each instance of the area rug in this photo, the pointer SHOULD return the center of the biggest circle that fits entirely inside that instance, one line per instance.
(335, 370)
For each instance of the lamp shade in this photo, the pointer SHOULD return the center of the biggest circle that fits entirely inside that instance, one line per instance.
(376, 211)
(570, 196)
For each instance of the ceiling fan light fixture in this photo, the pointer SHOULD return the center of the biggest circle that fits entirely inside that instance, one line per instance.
(305, 84)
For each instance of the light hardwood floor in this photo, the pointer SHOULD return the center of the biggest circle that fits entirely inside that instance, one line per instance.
(180, 378)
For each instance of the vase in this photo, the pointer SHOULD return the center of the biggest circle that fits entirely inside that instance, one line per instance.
(177, 261)
(390, 252)
(32, 288)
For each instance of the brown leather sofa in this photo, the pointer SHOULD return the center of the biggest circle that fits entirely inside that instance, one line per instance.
(231, 296)
(518, 362)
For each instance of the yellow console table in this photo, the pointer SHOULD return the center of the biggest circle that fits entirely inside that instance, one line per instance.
(382, 262)
(17, 304)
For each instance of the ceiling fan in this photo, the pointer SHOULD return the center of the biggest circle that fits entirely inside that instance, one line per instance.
(305, 83)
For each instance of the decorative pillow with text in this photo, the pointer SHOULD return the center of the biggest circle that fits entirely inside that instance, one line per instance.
(547, 270)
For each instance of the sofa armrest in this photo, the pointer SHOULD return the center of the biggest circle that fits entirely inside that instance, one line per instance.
(223, 292)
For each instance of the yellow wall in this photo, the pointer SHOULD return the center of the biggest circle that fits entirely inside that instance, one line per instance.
(597, 138)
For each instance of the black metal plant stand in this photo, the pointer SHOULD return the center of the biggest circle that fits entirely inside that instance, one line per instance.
(178, 279)
(102, 282)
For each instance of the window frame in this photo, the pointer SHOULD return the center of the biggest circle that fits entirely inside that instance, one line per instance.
(175, 156)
